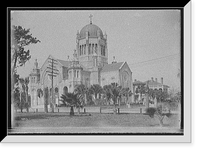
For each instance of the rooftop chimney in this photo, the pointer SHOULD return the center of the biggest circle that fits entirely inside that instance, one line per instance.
(135, 80)
(161, 80)
(151, 78)
(114, 60)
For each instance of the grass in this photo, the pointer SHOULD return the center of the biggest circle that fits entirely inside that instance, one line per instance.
(94, 120)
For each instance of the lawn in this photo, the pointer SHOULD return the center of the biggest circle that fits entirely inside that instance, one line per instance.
(96, 122)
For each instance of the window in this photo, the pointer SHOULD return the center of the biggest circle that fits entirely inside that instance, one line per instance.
(77, 74)
(85, 49)
(74, 73)
(65, 90)
(89, 52)
(92, 49)
(56, 90)
(70, 76)
(95, 47)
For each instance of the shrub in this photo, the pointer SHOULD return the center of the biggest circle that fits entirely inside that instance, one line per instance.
(100, 102)
(151, 111)
(174, 105)
(161, 111)
(168, 115)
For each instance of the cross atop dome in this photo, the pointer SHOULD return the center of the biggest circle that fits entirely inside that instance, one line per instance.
(90, 18)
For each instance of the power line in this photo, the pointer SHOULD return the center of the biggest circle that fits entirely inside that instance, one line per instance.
(155, 59)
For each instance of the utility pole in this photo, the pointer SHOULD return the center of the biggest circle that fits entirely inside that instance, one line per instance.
(52, 72)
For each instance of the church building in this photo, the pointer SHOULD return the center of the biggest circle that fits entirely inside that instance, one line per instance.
(89, 66)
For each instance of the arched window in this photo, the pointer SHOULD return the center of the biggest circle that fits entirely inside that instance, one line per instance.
(85, 49)
(80, 50)
(89, 49)
(77, 75)
(74, 73)
(65, 90)
(104, 52)
(92, 48)
(56, 90)
(70, 74)
(95, 47)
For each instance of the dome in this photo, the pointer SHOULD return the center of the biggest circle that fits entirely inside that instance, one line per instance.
(92, 29)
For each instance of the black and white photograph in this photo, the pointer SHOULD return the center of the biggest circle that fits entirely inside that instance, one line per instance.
(98, 72)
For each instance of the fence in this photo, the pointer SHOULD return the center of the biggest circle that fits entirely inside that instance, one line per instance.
(102, 110)
(121, 110)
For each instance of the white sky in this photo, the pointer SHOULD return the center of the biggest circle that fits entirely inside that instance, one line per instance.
(133, 36)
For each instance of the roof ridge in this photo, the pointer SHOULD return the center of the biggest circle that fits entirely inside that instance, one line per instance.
(111, 66)
(61, 62)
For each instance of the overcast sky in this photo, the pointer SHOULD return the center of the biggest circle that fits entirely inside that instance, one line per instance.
(148, 40)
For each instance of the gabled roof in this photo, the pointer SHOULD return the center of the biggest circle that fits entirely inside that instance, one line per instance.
(154, 83)
(112, 67)
(64, 63)
(67, 64)
(138, 83)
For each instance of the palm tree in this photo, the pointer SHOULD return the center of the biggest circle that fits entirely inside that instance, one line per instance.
(126, 92)
(141, 90)
(144, 89)
(72, 100)
(107, 93)
(158, 95)
(88, 96)
(81, 91)
(115, 91)
(152, 96)
(16, 98)
(96, 90)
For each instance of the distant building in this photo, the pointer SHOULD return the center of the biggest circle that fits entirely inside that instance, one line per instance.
(89, 66)
(152, 84)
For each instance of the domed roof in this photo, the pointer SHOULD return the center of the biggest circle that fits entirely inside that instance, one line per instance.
(92, 29)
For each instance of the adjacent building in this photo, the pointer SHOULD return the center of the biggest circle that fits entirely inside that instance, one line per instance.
(152, 84)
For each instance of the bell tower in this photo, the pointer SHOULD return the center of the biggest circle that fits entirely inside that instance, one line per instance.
(89, 41)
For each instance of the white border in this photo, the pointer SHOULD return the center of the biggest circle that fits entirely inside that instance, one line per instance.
(186, 138)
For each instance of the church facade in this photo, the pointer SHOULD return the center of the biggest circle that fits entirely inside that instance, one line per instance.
(89, 66)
